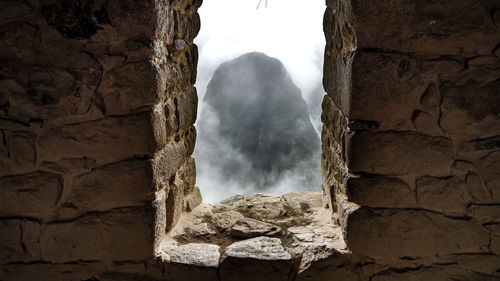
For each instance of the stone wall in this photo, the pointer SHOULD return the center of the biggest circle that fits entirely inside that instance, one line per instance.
(97, 107)
(411, 136)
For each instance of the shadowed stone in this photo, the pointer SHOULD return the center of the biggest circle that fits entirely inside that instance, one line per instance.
(260, 258)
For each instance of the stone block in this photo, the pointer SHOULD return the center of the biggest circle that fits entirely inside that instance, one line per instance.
(183, 272)
(167, 162)
(388, 90)
(192, 200)
(494, 230)
(34, 195)
(121, 234)
(249, 228)
(445, 27)
(124, 184)
(195, 254)
(399, 153)
(336, 76)
(21, 147)
(380, 192)
(107, 140)
(489, 167)
(19, 240)
(36, 271)
(322, 262)
(129, 87)
(302, 202)
(445, 195)
(485, 213)
(187, 105)
(256, 258)
(185, 178)
(470, 108)
(263, 207)
(389, 235)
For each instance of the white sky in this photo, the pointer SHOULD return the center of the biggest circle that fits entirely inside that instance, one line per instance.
(290, 30)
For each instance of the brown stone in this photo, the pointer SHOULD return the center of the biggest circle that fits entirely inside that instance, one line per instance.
(381, 192)
(396, 86)
(124, 184)
(476, 105)
(445, 27)
(167, 162)
(113, 235)
(389, 235)
(256, 258)
(80, 270)
(21, 149)
(106, 140)
(489, 167)
(19, 240)
(129, 87)
(445, 195)
(34, 195)
(399, 153)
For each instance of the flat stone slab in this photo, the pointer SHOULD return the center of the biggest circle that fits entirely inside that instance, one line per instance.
(248, 228)
(260, 258)
(197, 254)
(260, 248)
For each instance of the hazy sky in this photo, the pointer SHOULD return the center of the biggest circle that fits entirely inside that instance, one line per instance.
(290, 30)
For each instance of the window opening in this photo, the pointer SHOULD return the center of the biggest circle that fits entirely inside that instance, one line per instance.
(260, 92)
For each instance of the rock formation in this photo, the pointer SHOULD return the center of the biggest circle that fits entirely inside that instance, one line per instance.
(261, 237)
(255, 126)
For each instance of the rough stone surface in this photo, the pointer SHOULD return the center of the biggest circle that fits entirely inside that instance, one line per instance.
(260, 257)
(197, 254)
(87, 156)
(311, 237)
(248, 228)
(97, 105)
(259, 248)
(410, 136)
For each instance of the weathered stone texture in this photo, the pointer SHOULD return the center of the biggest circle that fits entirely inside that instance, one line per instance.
(97, 106)
(106, 237)
(410, 135)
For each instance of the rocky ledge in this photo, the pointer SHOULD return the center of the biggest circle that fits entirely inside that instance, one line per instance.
(289, 237)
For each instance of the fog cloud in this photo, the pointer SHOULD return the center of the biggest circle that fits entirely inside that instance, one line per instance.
(289, 30)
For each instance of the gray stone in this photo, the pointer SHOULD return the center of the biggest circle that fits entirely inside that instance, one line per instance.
(260, 258)
(248, 228)
(302, 233)
(300, 202)
(198, 254)
(260, 248)
(264, 206)
(233, 201)
(224, 220)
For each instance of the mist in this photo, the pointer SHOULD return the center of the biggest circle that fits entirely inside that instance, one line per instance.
(290, 31)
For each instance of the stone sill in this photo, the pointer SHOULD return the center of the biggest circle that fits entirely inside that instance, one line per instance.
(271, 236)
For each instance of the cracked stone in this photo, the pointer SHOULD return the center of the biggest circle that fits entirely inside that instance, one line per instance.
(198, 254)
(260, 258)
(248, 228)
